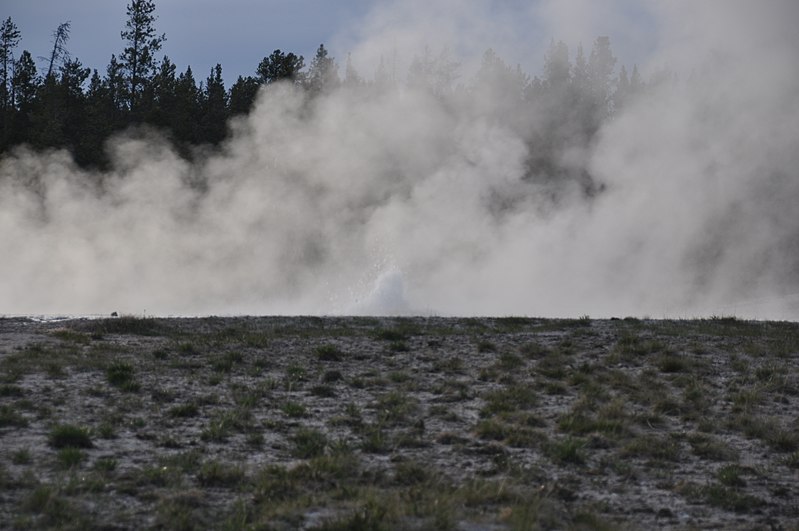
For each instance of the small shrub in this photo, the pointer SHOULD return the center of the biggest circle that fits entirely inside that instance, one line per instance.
(14, 391)
(390, 335)
(106, 430)
(411, 473)
(21, 457)
(332, 376)
(308, 443)
(491, 429)
(323, 391)
(70, 457)
(187, 349)
(293, 409)
(9, 417)
(711, 448)
(652, 447)
(567, 451)
(70, 436)
(395, 407)
(374, 440)
(533, 350)
(509, 399)
(121, 374)
(184, 410)
(672, 363)
(399, 346)
(218, 474)
(224, 363)
(328, 353)
(718, 495)
(486, 346)
(510, 362)
(106, 464)
(730, 475)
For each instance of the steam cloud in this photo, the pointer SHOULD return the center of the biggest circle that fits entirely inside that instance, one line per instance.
(397, 202)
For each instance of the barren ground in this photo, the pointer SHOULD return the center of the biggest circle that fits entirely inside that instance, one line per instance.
(398, 423)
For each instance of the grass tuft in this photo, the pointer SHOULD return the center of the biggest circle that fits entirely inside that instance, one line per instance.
(70, 436)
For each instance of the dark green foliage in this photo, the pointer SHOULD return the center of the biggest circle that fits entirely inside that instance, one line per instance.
(184, 410)
(126, 325)
(391, 334)
(308, 443)
(280, 66)
(121, 374)
(219, 474)
(328, 353)
(70, 436)
(10, 417)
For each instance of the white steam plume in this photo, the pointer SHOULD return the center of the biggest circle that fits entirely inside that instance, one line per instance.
(400, 201)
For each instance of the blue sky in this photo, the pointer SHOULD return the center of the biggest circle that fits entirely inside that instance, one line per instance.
(239, 33)
(200, 33)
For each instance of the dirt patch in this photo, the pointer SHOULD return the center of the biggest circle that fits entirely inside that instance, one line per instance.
(336, 423)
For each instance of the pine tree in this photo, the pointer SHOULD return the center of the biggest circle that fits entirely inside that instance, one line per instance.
(433, 73)
(351, 77)
(164, 95)
(242, 95)
(25, 86)
(323, 73)
(117, 94)
(60, 38)
(100, 116)
(9, 39)
(557, 68)
(281, 66)
(214, 108)
(622, 89)
(137, 60)
(600, 75)
(187, 108)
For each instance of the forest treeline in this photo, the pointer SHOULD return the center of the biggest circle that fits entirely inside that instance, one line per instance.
(60, 103)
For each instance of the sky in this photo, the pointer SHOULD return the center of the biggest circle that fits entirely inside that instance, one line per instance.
(239, 33)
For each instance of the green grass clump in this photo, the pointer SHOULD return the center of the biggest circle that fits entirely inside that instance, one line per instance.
(219, 474)
(308, 443)
(294, 410)
(511, 398)
(568, 450)
(184, 410)
(70, 457)
(721, 496)
(10, 417)
(328, 353)
(70, 436)
(395, 407)
(121, 374)
(486, 346)
(127, 325)
(391, 334)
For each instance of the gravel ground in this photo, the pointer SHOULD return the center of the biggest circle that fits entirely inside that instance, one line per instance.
(398, 423)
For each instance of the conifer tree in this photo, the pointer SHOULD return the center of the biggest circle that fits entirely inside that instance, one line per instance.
(138, 60)
(323, 72)
(280, 66)
(214, 108)
(242, 95)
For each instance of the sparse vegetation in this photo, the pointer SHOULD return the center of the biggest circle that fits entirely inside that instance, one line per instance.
(527, 432)
(70, 436)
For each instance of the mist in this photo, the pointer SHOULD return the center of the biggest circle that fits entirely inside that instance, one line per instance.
(407, 200)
